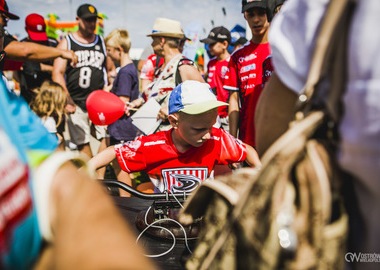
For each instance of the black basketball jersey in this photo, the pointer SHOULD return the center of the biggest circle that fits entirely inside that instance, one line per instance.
(90, 73)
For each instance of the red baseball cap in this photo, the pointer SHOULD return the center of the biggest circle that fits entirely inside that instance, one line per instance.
(5, 10)
(36, 27)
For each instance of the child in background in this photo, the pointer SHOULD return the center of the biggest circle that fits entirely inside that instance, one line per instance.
(126, 87)
(218, 40)
(178, 160)
(244, 75)
(49, 104)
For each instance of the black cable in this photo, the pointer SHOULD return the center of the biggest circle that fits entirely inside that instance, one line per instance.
(146, 196)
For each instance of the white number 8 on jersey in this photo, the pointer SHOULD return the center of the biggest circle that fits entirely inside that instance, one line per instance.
(84, 77)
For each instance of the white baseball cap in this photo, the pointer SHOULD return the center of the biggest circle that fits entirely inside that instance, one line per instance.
(193, 97)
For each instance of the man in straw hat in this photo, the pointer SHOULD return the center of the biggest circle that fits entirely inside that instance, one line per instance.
(166, 35)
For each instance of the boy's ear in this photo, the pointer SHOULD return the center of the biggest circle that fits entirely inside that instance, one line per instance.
(173, 120)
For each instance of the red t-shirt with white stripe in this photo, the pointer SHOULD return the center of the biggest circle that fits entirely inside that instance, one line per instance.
(174, 171)
(245, 75)
(216, 75)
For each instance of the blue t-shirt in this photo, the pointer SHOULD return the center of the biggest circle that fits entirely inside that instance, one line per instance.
(126, 84)
(22, 137)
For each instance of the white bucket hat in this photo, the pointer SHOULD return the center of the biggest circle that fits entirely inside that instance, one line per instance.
(167, 28)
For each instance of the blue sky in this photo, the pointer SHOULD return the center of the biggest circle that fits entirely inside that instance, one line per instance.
(137, 16)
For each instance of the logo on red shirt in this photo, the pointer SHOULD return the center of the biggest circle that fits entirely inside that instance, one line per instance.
(183, 179)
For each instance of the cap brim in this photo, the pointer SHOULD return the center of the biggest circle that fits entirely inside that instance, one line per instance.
(253, 5)
(37, 36)
(208, 40)
(203, 107)
(173, 35)
(88, 16)
(10, 15)
(240, 41)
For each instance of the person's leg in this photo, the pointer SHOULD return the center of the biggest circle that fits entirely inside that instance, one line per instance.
(79, 129)
(124, 177)
(101, 135)
(85, 149)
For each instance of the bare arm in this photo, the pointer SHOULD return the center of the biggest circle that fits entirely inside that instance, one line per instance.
(275, 109)
(58, 75)
(103, 158)
(233, 112)
(144, 86)
(252, 157)
(46, 68)
(125, 99)
(140, 64)
(111, 71)
(189, 72)
(59, 66)
(29, 51)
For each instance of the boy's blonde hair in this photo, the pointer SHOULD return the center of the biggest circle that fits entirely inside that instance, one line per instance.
(50, 100)
(119, 37)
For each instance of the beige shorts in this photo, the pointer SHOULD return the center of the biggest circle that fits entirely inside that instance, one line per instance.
(81, 127)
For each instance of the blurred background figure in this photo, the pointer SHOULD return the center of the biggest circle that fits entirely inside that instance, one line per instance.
(238, 43)
(87, 76)
(49, 104)
(33, 74)
(126, 87)
(244, 75)
(218, 41)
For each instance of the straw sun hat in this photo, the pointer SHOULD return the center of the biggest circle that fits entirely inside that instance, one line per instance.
(167, 28)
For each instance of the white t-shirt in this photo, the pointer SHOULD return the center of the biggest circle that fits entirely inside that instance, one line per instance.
(50, 124)
(292, 35)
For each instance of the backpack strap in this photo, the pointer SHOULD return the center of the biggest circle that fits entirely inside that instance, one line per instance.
(157, 64)
(328, 63)
(183, 61)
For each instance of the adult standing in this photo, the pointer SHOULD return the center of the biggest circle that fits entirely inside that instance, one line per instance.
(28, 51)
(167, 35)
(33, 74)
(87, 76)
(245, 72)
(293, 38)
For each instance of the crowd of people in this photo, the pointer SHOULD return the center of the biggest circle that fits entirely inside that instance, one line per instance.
(227, 117)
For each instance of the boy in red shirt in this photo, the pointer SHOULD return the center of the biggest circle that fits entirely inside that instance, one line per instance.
(244, 77)
(179, 159)
(218, 40)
